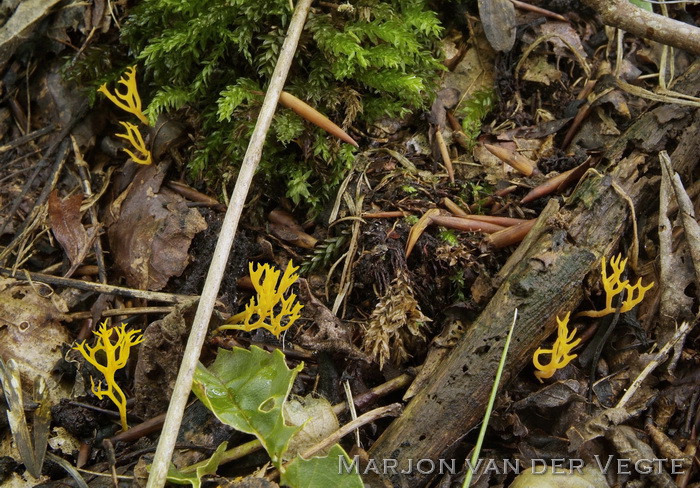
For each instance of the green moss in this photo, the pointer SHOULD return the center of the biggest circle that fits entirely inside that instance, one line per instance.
(356, 63)
(473, 110)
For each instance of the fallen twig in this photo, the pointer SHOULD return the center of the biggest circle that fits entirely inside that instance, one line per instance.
(630, 18)
(98, 287)
(200, 325)
(659, 358)
(393, 410)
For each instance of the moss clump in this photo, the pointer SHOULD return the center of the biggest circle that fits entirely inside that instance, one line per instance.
(356, 62)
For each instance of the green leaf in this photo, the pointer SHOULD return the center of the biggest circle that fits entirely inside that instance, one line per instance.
(643, 5)
(246, 389)
(322, 472)
(195, 479)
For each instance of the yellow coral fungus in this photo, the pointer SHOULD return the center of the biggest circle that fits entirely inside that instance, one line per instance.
(613, 287)
(114, 356)
(130, 100)
(133, 135)
(560, 351)
(260, 311)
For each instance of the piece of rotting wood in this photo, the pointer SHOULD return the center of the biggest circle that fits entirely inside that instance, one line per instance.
(542, 278)
(200, 325)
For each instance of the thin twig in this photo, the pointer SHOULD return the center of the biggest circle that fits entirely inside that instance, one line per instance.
(630, 18)
(29, 137)
(116, 312)
(538, 10)
(98, 287)
(42, 164)
(92, 212)
(659, 358)
(183, 384)
(32, 219)
(393, 410)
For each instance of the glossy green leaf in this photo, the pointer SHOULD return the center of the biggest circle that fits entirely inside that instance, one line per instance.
(246, 389)
(195, 478)
(322, 472)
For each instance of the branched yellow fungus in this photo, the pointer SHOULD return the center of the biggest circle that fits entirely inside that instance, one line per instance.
(133, 135)
(260, 311)
(115, 356)
(613, 287)
(130, 101)
(560, 351)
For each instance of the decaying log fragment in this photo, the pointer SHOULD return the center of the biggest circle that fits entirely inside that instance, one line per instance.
(542, 279)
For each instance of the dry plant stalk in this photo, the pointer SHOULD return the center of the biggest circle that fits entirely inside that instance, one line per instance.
(200, 324)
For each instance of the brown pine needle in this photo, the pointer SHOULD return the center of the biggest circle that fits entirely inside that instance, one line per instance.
(445, 154)
(513, 159)
(305, 111)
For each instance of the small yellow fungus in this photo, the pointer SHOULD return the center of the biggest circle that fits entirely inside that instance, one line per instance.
(114, 357)
(130, 101)
(260, 311)
(133, 135)
(613, 287)
(560, 351)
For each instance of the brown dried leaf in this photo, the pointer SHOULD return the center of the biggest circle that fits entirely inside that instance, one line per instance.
(158, 363)
(595, 427)
(498, 19)
(65, 220)
(328, 332)
(565, 38)
(150, 230)
(31, 332)
(554, 395)
(316, 418)
(284, 226)
(538, 70)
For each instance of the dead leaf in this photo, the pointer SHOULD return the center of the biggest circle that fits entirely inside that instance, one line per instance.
(158, 364)
(588, 477)
(284, 226)
(31, 332)
(328, 332)
(565, 39)
(32, 448)
(65, 220)
(151, 230)
(498, 19)
(595, 427)
(21, 25)
(315, 417)
(538, 70)
(554, 395)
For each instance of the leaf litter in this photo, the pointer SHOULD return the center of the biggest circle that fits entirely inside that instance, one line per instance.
(396, 278)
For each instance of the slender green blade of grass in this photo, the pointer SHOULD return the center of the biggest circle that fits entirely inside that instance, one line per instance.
(489, 406)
